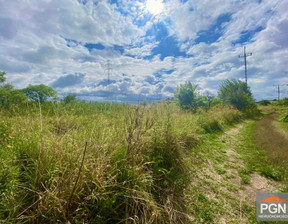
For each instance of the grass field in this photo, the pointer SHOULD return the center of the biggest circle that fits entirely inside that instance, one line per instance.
(100, 163)
(116, 163)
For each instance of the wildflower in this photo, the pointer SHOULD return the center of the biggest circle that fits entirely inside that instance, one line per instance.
(9, 146)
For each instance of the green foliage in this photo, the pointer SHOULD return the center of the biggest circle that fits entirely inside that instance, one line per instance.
(70, 98)
(186, 96)
(2, 77)
(207, 101)
(237, 93)
(283, 102)
(264, 102)
(39, 92)
(11, 97)
(8, 87)
(4, 97)
(17, 97)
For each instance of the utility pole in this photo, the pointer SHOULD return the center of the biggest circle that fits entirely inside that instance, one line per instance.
(279, 90)
(245, 55)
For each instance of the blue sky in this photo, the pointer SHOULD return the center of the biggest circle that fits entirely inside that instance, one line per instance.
(67, 44)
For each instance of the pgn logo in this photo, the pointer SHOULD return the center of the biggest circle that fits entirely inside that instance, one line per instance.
(272, 206)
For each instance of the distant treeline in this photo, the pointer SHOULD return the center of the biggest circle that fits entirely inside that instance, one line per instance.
(232, 92)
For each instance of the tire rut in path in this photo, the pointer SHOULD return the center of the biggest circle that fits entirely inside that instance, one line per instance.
(257, 183)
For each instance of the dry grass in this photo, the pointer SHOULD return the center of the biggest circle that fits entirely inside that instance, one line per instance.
(133, 169)
(269, 137)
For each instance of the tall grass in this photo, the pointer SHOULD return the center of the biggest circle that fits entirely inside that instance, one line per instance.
(100, 162)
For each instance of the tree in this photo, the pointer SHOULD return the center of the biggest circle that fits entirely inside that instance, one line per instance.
(70, 98)
(2, 77)
(39, 92)
(237, 93)
(4, 97)
(8, 87)
(17, 97)
(186, 96)
(9, 96)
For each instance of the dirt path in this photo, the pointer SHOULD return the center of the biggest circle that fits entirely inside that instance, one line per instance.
(257, 183)
(221, 182)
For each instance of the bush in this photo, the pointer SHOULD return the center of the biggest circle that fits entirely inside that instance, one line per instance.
(186, 96)
(237, 93)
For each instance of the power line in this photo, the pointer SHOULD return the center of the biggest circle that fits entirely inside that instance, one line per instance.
(245, 55)
(273, 10)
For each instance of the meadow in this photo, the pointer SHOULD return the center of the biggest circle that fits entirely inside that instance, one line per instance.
(102, 162)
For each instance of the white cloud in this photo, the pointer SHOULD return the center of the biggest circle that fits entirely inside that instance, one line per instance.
(193, 16)
(142, 51)
(35, 47)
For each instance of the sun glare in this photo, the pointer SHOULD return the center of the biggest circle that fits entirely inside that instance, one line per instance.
(155, 7)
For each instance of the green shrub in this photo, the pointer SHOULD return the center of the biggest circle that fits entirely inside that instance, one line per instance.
(237, 93)
(186, 96)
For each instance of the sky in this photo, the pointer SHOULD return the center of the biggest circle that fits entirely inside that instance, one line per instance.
(148, 48)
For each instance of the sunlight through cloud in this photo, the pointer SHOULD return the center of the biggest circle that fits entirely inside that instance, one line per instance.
(155, 7)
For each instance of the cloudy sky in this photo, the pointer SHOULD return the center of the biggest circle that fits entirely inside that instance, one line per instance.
(150, 46)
